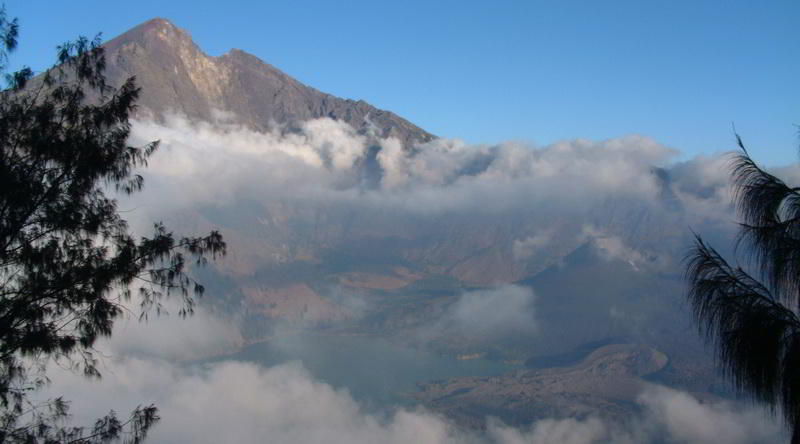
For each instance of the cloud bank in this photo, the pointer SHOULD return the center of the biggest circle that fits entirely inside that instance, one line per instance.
(324, 184)
(327, 159)
(488, 315)
(532, 203)
(246, 403)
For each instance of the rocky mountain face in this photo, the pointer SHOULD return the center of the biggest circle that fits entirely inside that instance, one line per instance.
(176, 75)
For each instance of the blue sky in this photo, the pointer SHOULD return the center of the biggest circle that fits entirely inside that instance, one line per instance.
(680, 72)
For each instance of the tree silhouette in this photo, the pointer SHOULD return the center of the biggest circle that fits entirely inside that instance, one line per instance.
(754, 320)
(67, 259)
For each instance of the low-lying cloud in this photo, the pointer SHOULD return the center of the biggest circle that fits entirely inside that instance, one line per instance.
(542, 197)
(687, 420)
(325, 159)
(166, 336)
(487, 315)
(323, 186)
(246, 403)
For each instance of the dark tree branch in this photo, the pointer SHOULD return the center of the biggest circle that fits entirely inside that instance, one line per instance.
(755, 325)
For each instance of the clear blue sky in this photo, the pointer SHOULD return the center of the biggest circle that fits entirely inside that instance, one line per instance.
(678, 71)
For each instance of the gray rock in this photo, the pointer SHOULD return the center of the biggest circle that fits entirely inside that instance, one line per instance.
(176, 75)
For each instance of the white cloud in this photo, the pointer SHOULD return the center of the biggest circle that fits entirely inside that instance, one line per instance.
(688, 420)
(320, 173)
(168, 337)
(531, 245)
(504, 310)
(487, 315)
(552, 192)
(613, 247)
(230, 401)
(246, 403)
(552, 431)
(204, 162)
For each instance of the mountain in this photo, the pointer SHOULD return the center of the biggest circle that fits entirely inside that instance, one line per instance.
(564, 262)
(176, 75)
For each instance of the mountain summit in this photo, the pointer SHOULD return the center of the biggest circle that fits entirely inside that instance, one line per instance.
(176, 75)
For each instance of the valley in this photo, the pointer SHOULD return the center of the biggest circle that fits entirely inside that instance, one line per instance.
(498, 281)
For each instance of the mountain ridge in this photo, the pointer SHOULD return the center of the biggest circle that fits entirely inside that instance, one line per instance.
(177, 76)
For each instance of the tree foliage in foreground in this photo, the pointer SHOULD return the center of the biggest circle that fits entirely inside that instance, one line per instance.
(754, 320)
(67, 259)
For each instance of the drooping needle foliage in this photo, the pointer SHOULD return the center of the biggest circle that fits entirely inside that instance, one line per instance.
(753, 317)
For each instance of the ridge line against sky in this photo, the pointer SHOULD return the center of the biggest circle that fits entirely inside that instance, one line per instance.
(680, 73)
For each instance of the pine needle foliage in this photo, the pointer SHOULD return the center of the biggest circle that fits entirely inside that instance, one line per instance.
(754, 320)
(67, 259)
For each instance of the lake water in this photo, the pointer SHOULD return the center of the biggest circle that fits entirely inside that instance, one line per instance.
(374, 370)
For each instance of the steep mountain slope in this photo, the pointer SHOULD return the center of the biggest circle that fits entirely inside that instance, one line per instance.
(176, 75)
